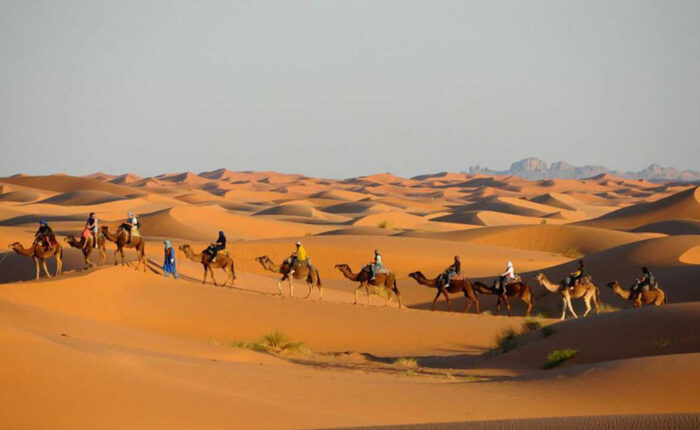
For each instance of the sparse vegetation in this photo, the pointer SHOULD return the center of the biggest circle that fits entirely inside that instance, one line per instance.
(531, 325)
(605, 308)
(543, 221)
(384, 224)
(572, 253)
(661, 342)
(559, 356)
(547, 331)
(407, 362)
(506, 341)
(275, 342)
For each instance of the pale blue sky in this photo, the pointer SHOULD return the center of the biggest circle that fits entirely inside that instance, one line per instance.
(345, 88)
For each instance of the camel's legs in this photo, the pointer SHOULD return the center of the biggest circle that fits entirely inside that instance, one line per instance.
(36, 263)
(571, 308)
(368, 295)
(291, 286)
(204, 280)
(587, 299)
(279, 287)
(467, 302)
(59, 265)
(356, 291)
(529, 304)
(211, 274)
(498, 305)
(563, 308)
(43, 264)
(121, 252)
(116, 261)
(447, 299)
(436, 297)
(476, 301)
(508, 308)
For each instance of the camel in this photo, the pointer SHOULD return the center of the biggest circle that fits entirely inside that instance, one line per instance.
(517, 289)
(223, 261)
(457, 285)
(120, 239)
(86, 249)
(38, 252)
(585, 290)
(301, 271)
(654, 297)
(387, 280)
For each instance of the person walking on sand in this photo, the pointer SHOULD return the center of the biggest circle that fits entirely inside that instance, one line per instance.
(169, 262)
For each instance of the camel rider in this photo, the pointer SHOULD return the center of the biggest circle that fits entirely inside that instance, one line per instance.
(647, 280)
(44, 235)
(91, 226)
(217, 246)
(131, 225)
(375, 265)
(300, 256)
(454, 269)
(505, 277)
(575, 276)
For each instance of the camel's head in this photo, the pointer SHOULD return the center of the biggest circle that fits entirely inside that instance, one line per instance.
(14, 245)
(261, 259)
(539, 277)
(342, 266)
(416, 275)
(613, 284)
(184, 247)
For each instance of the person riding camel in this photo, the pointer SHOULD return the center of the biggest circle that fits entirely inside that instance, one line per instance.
(452, 270)
(575, 276)
(646, 281)
(505, 277)
(131, 225)
(91, 227)
(300, 256)
(375, 265)
(44, 235)
(217, 246)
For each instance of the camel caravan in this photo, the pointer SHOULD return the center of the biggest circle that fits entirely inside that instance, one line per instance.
(373, 277)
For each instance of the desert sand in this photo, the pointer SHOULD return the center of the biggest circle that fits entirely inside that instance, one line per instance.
(114, 348)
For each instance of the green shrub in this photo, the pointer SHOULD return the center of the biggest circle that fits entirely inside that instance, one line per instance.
(559, 356)
(604, 308)
(408, 362)
(506, 341)
(531, 325)
(275, 342)
(547, 331)
(384, 224)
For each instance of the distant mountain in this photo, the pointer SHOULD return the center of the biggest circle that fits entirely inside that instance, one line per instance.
(535, 169)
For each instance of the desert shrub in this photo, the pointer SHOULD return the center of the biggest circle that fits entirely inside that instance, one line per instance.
(407, 362)
(543, 221)
(506, 341)
(572, 253)
(276, 342)
(384, 224)
(559, 356)
(531, 325)
(547, 331)
(605, 308)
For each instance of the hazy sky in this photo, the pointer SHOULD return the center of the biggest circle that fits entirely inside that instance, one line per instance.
(345, 88)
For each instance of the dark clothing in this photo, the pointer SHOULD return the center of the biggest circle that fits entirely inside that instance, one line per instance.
(454, 269)
(501, 284)
(221, 241)
(219, 245)
(647, 280)
(91, 223)
(45, 236)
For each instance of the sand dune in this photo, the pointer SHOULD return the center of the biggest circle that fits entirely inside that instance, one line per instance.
(685, 204)
(672, 227)
(128, 349)
(82, 198)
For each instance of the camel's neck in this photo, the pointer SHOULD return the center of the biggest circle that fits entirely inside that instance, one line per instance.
(192, 256)
(347, 272)
(271, 266)
(72, 241)
(425, 281)
(548, 285)
(21, 250)
(621, 292)
(110, 236)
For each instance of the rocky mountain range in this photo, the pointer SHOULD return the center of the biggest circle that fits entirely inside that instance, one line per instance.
(535, 169)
